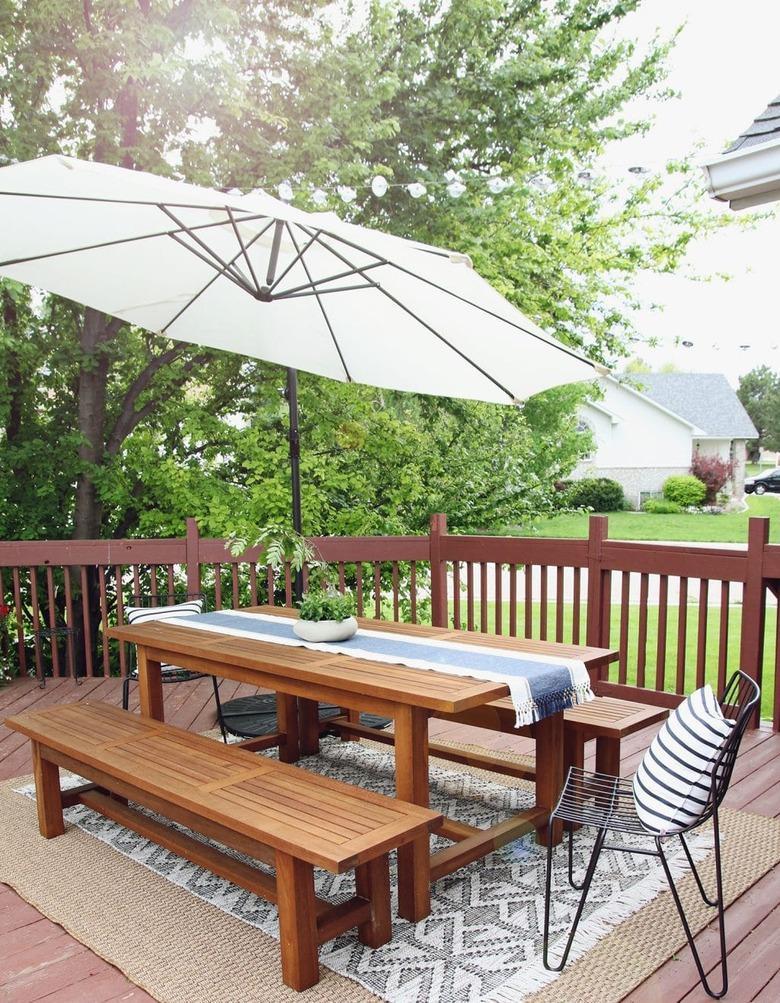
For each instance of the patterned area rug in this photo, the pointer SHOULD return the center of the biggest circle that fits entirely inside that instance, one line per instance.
(482, 941)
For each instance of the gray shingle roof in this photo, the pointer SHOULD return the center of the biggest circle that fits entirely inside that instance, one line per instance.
(707, 400)
(761, 130)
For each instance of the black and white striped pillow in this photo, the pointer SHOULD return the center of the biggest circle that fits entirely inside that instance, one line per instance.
(139, 614)
(674, 778)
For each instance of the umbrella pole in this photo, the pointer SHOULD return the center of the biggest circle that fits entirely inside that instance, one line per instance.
(295, 469)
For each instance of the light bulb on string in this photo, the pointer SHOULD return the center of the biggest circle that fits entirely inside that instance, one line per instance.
(497, 184)
(687, 344)
(379, 186)
(285, 191)
(319, 197)
(416, 189)
(455, 188)
(346, 193)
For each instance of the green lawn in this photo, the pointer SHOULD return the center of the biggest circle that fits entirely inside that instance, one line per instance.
(670, 671)
(726, 528)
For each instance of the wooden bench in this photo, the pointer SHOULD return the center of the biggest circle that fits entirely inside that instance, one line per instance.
(606, 719)
(274, 812)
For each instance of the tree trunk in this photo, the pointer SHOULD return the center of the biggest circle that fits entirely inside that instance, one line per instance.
(93, 373)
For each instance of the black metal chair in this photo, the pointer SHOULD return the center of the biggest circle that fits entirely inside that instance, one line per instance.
(170, 673)
(606, 803)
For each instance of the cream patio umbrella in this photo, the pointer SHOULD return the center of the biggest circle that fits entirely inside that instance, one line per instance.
(253, 275)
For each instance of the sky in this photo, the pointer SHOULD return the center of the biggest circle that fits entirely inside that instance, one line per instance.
(725, 67)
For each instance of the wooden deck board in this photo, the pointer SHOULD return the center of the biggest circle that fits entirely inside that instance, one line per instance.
(753, 921)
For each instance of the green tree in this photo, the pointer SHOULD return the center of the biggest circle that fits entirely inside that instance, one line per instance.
(109, 430)
(759, 391)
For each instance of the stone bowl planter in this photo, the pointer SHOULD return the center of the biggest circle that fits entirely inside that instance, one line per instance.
(318, 631)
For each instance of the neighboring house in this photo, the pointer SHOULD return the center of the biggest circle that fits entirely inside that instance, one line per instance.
(648, 426)
(748, 172)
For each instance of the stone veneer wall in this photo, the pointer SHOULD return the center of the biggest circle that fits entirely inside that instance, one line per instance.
(635, 480)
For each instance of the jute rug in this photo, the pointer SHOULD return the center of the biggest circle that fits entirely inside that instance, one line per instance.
(199, 941)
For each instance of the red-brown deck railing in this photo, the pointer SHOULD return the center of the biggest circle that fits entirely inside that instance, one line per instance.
(677, 613)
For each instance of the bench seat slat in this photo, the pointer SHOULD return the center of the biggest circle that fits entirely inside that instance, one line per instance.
(274, 803)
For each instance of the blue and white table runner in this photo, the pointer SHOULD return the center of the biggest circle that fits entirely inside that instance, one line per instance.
(539, 685)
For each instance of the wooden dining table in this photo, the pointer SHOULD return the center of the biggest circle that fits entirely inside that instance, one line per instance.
(302, 677)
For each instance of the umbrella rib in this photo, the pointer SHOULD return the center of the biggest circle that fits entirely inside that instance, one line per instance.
(243, 248)
(229, 270)
(211, 281)
(428, 327)
(320, 303)
(553, 344)
(222, 269)
(118, 241)
(104, 199)
(330, 278)
(297, 257)
(313, 291)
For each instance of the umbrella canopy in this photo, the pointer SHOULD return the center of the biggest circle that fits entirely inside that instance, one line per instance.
(253, 275)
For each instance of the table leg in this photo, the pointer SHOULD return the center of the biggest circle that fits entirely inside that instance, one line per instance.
(549, 772)
(287, 722)
(411, 784)
(150, 686)
(309, 723)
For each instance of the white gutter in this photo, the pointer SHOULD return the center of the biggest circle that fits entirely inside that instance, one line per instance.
(746, 177)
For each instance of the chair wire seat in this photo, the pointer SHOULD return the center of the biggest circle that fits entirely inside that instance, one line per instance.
(606, 803)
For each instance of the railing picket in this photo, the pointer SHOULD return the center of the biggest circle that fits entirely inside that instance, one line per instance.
(576, 604)
(69, 646)
(120, 612)
(543, 569)
(483, 600)
(776, 707)
(253, 583)
(641, 654)
(170, 580)
(528, 604)
(269, 582)
(36, 612)
(137, 580)
(682, 635)
(701, 653)
(660, 655)
(625, 599)
(102, 573)
(395, 579)
(723, 639)
(218, 586)
(469, 595)
(413, 591)
(236, 593)
(559, 604)
(153, 584)
(456, 595)
(52, 611)
(359, 587)
(377, 591)
(86, 620)
(288, 593)
(19, 620)
(499, 600)
(342, 578)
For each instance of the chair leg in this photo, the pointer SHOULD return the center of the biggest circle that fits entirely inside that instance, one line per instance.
(572, 882)
(694, 871)
(721, 917)
(594, 859)
(222, 728)
(125, 692)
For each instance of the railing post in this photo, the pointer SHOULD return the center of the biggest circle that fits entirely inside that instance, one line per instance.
(597, 633)
(439, 609)
(751, 645)
(193, 557)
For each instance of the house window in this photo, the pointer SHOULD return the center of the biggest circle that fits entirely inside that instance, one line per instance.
(583, 427)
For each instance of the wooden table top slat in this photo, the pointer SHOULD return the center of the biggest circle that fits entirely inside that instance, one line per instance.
(323, 821)
(429, 689)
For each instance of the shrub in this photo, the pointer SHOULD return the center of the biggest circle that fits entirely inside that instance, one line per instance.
(599, 493)
(685, 490)
(659, 506)
(713, 473)
(321, 605)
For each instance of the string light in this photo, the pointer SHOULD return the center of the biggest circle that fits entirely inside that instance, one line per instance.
(346, 194)
(379, 186)
(416, 189)
(319, 197)
(285, 191)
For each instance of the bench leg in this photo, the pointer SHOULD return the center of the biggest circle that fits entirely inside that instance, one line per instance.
(372, 882)
(353, 716)
(608, 756)
(573, 755)
(47, 795)
(297, 922)
(549, 734)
